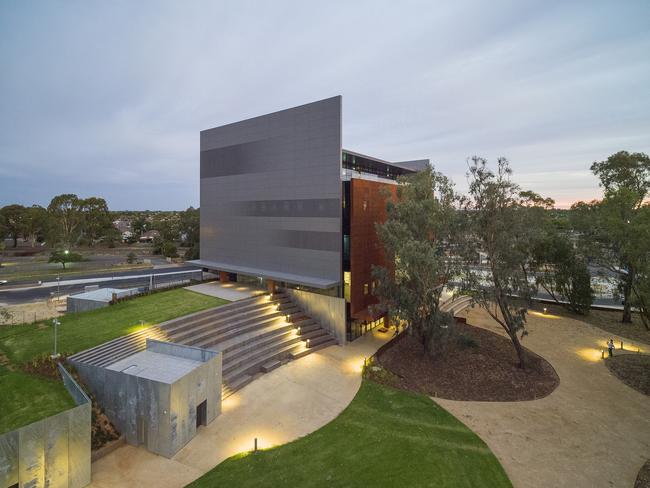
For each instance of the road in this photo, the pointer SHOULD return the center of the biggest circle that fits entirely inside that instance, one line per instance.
(123, 279)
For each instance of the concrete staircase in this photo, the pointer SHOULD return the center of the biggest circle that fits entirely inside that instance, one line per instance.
(112, 351)
(255, 335)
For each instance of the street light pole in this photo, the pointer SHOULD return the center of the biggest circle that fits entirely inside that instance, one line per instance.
(56, 330)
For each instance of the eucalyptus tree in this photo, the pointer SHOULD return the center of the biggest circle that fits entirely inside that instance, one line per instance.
(418, 236)
(616, 230)
(13, 221)
(561, 270)
(66, 218)
(501, 221)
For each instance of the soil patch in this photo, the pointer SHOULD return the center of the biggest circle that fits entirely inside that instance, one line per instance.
(632, 369)
(643, 480)
(482, 366)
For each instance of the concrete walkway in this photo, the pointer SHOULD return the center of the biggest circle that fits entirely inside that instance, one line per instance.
(227, 291)
(278, 407)
(592, 431)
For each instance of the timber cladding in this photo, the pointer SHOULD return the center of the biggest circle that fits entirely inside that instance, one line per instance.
(368, 207)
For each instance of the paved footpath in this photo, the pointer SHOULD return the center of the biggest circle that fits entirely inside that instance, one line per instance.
(278, 407)
(592, 431)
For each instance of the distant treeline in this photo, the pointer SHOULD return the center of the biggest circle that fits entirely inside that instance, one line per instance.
(69, 222)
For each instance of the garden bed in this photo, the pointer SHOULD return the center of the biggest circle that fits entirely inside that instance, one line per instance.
(632, 369)
(480, 366)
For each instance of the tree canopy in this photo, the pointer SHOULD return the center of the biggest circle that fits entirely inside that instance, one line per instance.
(418, 236)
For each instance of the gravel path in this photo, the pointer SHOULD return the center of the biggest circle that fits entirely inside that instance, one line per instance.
(592, 431)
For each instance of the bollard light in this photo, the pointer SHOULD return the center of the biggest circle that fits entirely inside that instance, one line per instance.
(602, 354)
(307, 342)
(255, 445)
(545, 310)
(621, 345)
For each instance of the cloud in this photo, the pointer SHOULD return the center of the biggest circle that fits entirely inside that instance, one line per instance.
(110, 98)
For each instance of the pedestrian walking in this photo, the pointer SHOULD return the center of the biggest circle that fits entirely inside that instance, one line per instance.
(610, 347)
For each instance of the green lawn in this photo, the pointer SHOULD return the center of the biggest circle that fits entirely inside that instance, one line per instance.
(384, 438)
(25, 399)
(79, 331)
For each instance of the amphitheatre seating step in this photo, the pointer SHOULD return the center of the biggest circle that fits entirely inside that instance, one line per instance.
(318, 339)
(267, 332)
(226, 324)
(219, 336)
(257, 342)
(252, 355)
(271, 365)
(255, 365)
(216, 315)
(112, 351)
(238, 383)
(308, 350)
(219, 309)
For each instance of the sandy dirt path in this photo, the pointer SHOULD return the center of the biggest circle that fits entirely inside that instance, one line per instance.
(592, 431)
(289, 402)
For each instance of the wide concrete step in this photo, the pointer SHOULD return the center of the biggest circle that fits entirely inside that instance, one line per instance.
(226, 323)
(241, 345)
(261, 349)
(255, 366)
(210, 338)
(112, 351)
(308, 350)
(251, 354)
(217, 316)
(271, 365)
(227, 307)
(228, 388)
(110, 346)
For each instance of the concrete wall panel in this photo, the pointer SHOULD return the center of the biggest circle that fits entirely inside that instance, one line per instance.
(328, 311)
(52, 452)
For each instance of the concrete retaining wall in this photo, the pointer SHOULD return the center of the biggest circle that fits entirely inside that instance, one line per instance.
(54, 451)
(160, 416)
(328, 311)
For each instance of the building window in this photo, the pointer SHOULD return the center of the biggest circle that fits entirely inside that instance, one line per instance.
(365, 288)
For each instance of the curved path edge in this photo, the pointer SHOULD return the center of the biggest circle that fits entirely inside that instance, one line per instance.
(278, 407)
(591, 431)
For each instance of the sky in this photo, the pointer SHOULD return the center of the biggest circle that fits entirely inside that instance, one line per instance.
(107, 98)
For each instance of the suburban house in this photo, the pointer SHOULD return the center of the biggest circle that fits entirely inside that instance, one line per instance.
(283, 204)
(149, 236)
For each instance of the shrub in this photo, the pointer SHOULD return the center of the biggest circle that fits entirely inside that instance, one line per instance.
(467, 342)
(169, 250)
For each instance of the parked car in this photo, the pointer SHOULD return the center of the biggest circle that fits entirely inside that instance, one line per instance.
(3, 282)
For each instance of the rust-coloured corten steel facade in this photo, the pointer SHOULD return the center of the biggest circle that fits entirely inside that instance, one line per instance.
(368, 207)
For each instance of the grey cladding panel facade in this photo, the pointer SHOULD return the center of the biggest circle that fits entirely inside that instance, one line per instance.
(271, 192)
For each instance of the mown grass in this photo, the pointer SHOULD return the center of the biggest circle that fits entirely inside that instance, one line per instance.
(25, 399)
(79, 331)
(385, 437)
